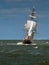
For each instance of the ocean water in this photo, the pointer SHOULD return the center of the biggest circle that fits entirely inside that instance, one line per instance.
(12, 54)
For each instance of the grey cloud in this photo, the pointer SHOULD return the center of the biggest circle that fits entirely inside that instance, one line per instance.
(6, 11)
(13, 13)
(20, 0)
(13, 0)
(19, 11)
(43, 16)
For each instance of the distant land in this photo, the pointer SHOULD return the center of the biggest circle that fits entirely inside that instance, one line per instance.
(15, 41)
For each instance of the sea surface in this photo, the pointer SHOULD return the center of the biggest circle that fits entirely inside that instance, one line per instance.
(13, 54)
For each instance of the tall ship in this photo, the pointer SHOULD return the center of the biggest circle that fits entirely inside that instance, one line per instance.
(30, 27)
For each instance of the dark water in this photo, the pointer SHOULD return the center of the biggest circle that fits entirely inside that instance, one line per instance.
(24, 54)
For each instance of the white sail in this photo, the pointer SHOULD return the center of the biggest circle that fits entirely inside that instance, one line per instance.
(30, 26)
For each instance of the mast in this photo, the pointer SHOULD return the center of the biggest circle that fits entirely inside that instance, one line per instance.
(30, 27)
(32, 16)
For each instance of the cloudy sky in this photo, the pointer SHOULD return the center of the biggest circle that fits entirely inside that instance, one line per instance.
(14, 14)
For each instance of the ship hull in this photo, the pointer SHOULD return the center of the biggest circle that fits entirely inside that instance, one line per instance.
(21, 43)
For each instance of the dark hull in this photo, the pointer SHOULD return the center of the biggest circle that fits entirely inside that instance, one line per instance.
(27, 42)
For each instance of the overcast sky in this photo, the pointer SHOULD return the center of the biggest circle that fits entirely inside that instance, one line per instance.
(15, 13)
